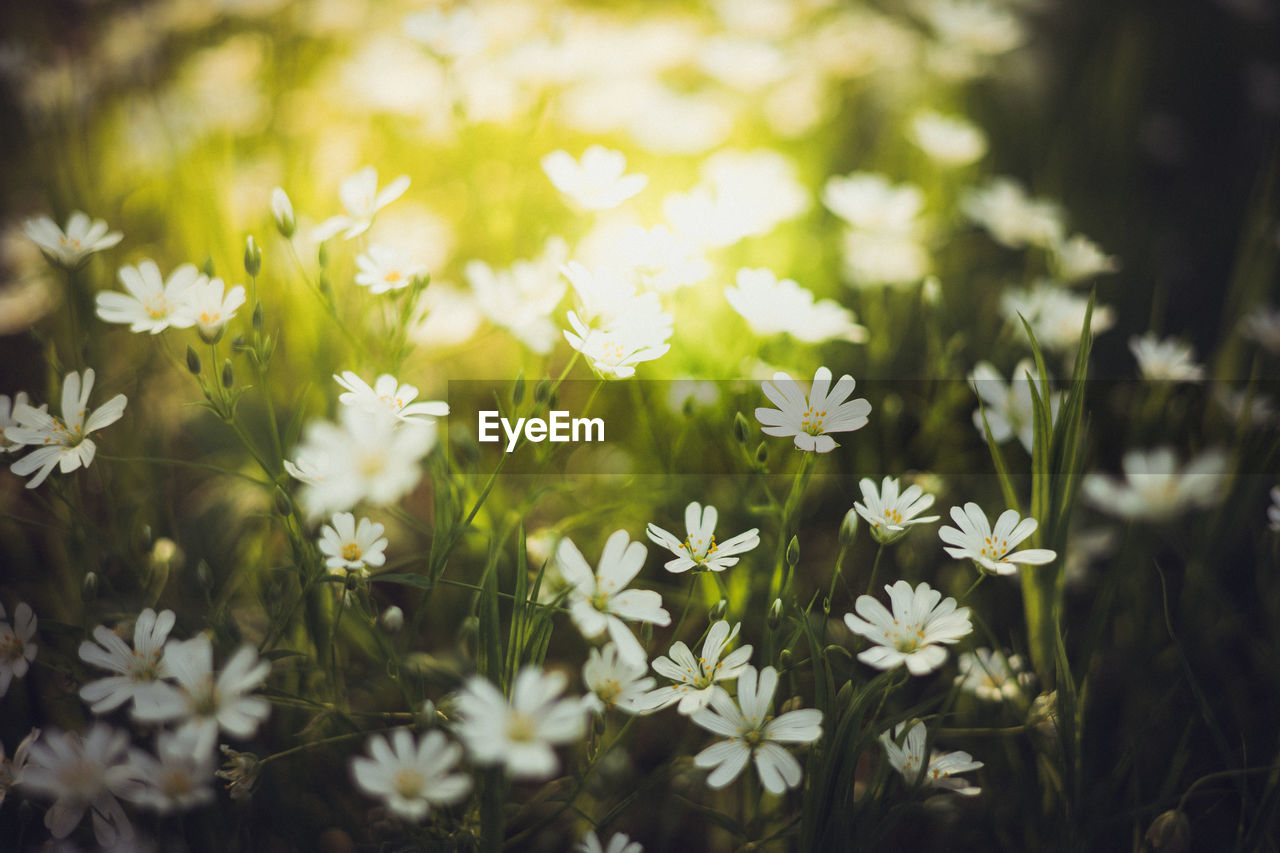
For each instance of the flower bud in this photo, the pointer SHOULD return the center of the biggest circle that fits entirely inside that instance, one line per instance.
(600, 724)
(322, 255)
(207, 267)
(282, 212)
(542, 391)
(89, 587)
(775, 615)
(257, 317)
(849, 528)
(1170, 832)
(793, 552)
(193, 361)
(284, 506)
(252, 257)
(517, 390)
(762, 454)
(392, 619)
(719, 609)
(740, 428)
(228, 374)
(785, 659)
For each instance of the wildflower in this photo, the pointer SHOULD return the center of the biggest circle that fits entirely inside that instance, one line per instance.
(351, 547)
(619, 843)
(992, 676)
(9, 408)
(361, 197)
(811, 419)
(751, 733)
(697, 679)
(870, 202)
(976, 26)
(1168, 360)
(521, 297)
(941, 771)
(387, 396)
(176, 778)
(1154, 488)
(597, 181)
(1273, 511)
(139, 671)
(240, 771)
(1078, 258)
(883, 258)
(209, 305)
(16, 649)
(616, 683)
(383, 269)
(912, 632)
(658, 258)
(742, 194)
(613, 351)
(1013, 218)
(948, 140)
(1247, 406)
(1263, 325)
(282, 213)
(1008, 407)
(699, 550)
(71, 248)
(973, 539)
(12, 770)
(84, 774)
(890, 513)
(63, 442)
(411, 777)
(605, 294)
(1055, 314)
(152, 304)
(519, 734)
(772, 307)
(600, 601)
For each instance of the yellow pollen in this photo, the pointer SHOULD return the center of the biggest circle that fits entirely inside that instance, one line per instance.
(392, 277)
(351, 551)
(408, 783)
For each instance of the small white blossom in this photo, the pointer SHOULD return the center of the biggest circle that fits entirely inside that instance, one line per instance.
(890, 511)
(1156, 488)
(1008, 407)
(1263, 325)
(920, 623)
(522, 297)
(812, 418)
(139, 670)
(742, 194)
(614, 350)
(973, 539)
(869, 201)
(209, 306)
(63, 442)
(699, 549)
(992, 676)
(1056, 315)
(772, 307)
(616, 683)
(387, 396)
(1168, 360)
(353, 548)
(883, 259)
(71, 248)
(177, 778)
(1078, 258)
(697, 679)
(383, 269)
(361, 197)
(1013, 218)
(9, 408)
(980, 27)
(412, 777)
(908, 760)
(948, 140)
(84, 774)
(597, 181)
(11, 770)
(619, 843)
(282, 212)
(152, 303)
(17, 650)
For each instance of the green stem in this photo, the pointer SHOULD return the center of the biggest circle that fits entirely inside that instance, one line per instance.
(875, 567)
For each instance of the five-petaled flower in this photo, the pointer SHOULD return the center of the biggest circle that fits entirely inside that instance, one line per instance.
(352, 547)
(890, 512)
(71, 248)
(811, 419)
(697, 678)
(699, 550)
(387, 396)
(990, 550)
(914, 632)
(411, 777)
(63, 442)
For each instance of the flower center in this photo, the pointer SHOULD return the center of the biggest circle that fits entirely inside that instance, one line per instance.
(609, 690)
(10, 647)
(697, 551)
(811, 421)
(392, 277)
(520, 728)
(177, 783)
(893, 516)
(157, 310)
(409, 783)
(994, 549)
(143, 666)
(351, 551)
(204, 699)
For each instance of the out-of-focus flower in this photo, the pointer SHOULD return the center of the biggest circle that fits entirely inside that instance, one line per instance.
(519, 734)
(282, 213)
(908, 759)
(521, 298)
(352, 548)
(84, 774)
(17, 650)
(11, 770)
(811, 419)
(62, 442)
(977, 26)
(71, 248)
(209, 305)
(383, 269)
(388, 396)
(1263, 325)
(973, 539)
(868, 201)
(890, 511)
(771, 307)
(742, 194)
(596, 182)
(613, 351)
(449, 33)
(1155, 488)
(1168, 360)
(619, 843)
(152, 304)
(177, 777)
(992, 676)
(446, 316)
(697, 679)
(1247, 404)
(656, 258)
(1056, 314)
(9, 407)
(617, 683)
(948, 140)
(883, 259)
(1008, 407)
(240, 771)
(600, 601)
(139, 671)
(699, 549)
(1078, 259)
(412, 777)
(1170, 832)
(361, 197)
(752, 734)
(1013, 218)
(1273, 511)
(914, 633)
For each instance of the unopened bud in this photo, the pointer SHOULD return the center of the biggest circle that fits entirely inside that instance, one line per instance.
(228, 374)
(392, 619)
(793, 552)
(784, 660)
(775, 615)
(326, 286)
(193, 361)
(207, 267)
(252, 257)
(238, 344)
(322, 255)
(849, 528)
(517, 390)
(204, 575)
(600, 724)
(740, 428)
(1170, 832)
(89, 587)
(719, 609)
(282, 211)
(284, 506)
(762, 454)
(542, 391)
(257, 317)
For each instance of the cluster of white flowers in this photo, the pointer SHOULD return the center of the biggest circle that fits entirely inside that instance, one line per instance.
(883, 240)
(1008, 407)
(1168, 360)
(771, 306)
(908, 758)
(186, 299)
(1155, 488)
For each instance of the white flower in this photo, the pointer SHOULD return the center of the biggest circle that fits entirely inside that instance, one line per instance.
(771, 307)
(978, 26)
(282, 212)
(11, 770)
(614, 350)
(71, 248)
(948, 140)
(383, 269)
(1013, 218)
(597, 181)
(943, 766)
(992, 676)
(1273, 511)
(204, 704)
(361, 197)
(1155, 488)
(521, 298)
(139, 671)
(209, 306)
(912, 632)
(742, 194)
(1168, 360)
(890, 513)
(658, 257)
(9, 409)
(1263, 325)
(605, 294)
(519, 734)
(600, 601)
(699, 549)
(1056, 315)
(617, 683)
(410, 777)
(351, 547)
(1008, 407)
(698, 678)
(811, 419)
(619, 843)
(1247, 404)
(752, 733)
(16, 649)
(177, 777)
(1079, 258)
(973, 539)
(452, 33)
(152, 304)
(63, 442)
(387, 395)
(870, 202)
(84, 774)
(883, 258)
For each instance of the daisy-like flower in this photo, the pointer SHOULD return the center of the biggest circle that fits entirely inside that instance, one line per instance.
(752, 733)
(1273, 511)
(992, 676)
(614, 350)
(772, 307)
(16, 649)
(71, 248)
(619, 843)
(811, 419)
(152, 303)
(699, 550)
(383, 269)
(617, 683)
(412, 777)
(1078, 259)
(1008, 406)
(697, 679)
(600, 601)
(973, 539)
(908, 759)
(177, 777)
(11, 770)
(890, 512)
(9, 407)
(948, 140)
(1013, 218)
(1055, 314)
(597, 181)
(205, 703)
(361, 197)
(920, 623)
(1156, 488)
(519, 734)
(209, 305)
(352, 548)
(84, 774)
(139, 671)
(1168, 360)
(522, 297)
(869, 201)
(63, 442)
(387, 395)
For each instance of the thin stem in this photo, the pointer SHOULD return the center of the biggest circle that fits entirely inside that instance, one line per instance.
(875, 567)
